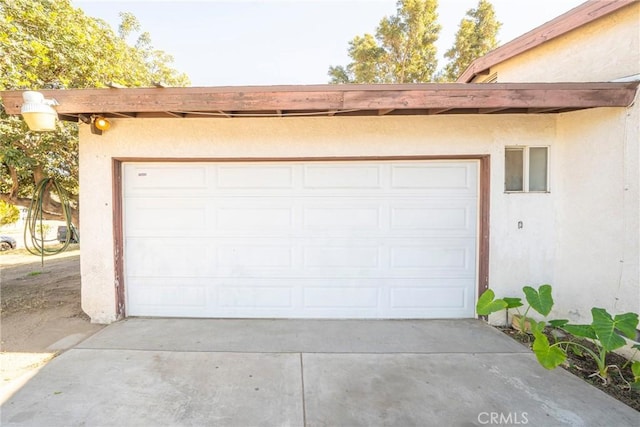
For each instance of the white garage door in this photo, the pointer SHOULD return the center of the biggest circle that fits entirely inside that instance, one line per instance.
(340, 239)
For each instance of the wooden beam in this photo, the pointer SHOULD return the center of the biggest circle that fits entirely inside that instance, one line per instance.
(385, 111)
(435, 111)
(490, 110)
(125, 115)
(495, 95)
(435, 97)
(186, 99)
(540, 110)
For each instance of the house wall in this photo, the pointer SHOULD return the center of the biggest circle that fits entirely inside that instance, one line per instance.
(598, 212)
(603, 50)
(596, 166)
(557, 244)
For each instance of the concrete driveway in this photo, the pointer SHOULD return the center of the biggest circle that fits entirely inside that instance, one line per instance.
(186, 372)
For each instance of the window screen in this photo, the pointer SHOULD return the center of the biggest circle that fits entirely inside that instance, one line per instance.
(514, 169)
(538, 168)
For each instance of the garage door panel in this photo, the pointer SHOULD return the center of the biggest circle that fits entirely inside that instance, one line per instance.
(301, 239)
(253, 217)
(173, 216)
(443, 218)
(344, 296)
(454, 178)
(267, 297)
(249, 257)
(338, 177)
(167, 298)
(169, 257)
(434, 257)
(342, 217)
(256, 177)
(449, 297)
(347, 256)
(156, 178)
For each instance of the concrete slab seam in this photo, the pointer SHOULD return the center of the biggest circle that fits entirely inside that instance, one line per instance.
(304, 405)
(298, 352)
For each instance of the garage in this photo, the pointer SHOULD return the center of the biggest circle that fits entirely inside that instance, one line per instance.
(301, 239)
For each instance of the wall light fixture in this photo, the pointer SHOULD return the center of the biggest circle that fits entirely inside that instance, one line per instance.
(38, 112)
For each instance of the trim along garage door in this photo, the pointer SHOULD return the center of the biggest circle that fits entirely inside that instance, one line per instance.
(301, 239)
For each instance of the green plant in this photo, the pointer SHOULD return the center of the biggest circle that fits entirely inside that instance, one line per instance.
(606, 332)
(539, 300)
(487, 303)
(9, 214)
(635, 368)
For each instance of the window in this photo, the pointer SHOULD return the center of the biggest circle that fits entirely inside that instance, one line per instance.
(526, 169)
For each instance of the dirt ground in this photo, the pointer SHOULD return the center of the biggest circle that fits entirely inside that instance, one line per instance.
(41, 314)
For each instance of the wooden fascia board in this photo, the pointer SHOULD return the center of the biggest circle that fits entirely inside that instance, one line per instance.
(496, 96)
(180, 100)
(334, 98)
(575, 18)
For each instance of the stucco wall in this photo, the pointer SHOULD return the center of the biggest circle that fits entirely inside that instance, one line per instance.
(603, 50)
(597, 212)
(540, 252)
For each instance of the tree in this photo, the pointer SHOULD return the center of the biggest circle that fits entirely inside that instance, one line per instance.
(8, 213)
(477, 35)
(51, 44)
(402, 51)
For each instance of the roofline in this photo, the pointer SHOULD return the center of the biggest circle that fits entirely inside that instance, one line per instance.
(332, 100)
(577, 17)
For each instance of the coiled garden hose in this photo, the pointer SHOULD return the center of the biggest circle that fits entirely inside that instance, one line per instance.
(34, 229)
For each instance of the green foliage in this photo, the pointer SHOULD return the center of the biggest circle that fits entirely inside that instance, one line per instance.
(51, 44)
(9, 214)
(582, 331)
(477, 35)
(487, 303)
(512, 302)
(539, 300)
(605, 332)
(635, 368)
(550, 357)
(402, 51)
(608, 329)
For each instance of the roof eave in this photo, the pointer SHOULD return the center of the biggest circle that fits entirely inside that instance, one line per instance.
(574, 18)
(331, 100)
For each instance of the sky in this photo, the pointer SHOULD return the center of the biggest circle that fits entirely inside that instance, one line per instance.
(289, 42)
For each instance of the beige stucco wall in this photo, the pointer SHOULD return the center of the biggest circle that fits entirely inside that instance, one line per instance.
(556, 224)
(598, 212)
(603, 50)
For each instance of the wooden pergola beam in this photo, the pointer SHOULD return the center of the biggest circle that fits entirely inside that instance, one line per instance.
(328, 98)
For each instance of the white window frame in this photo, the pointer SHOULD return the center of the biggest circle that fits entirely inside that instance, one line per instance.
(525, 166)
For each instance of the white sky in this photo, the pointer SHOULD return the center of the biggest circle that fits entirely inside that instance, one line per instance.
(272, 42)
